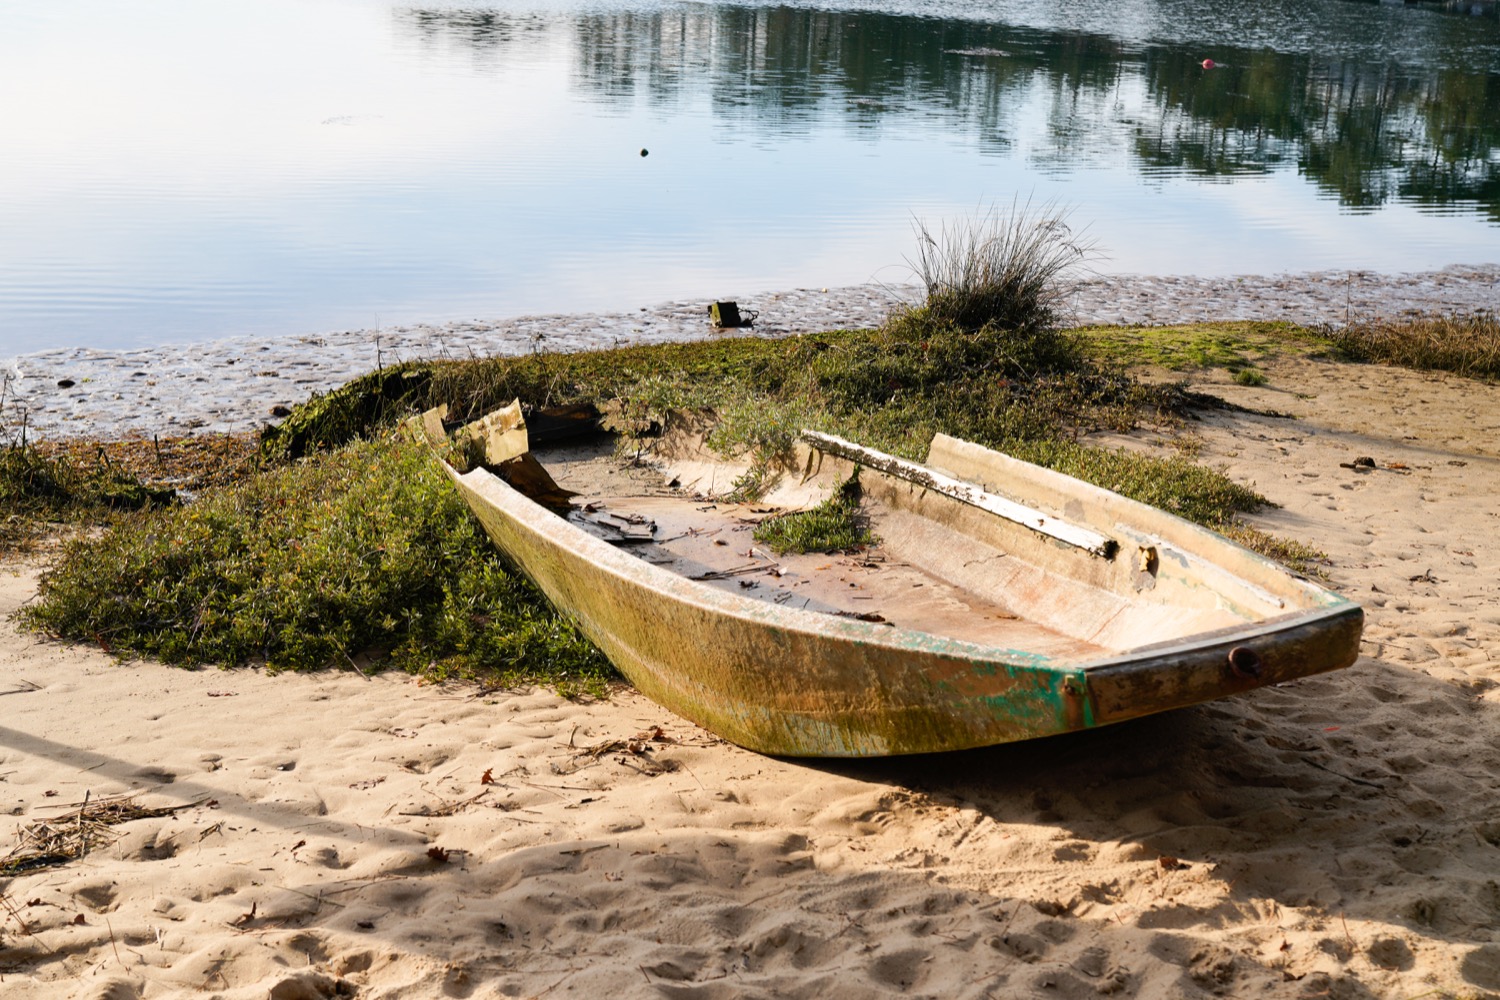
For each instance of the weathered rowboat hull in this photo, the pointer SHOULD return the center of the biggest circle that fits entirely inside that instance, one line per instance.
(783, 680)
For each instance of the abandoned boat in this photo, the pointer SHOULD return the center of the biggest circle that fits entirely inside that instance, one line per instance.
(1000, 600)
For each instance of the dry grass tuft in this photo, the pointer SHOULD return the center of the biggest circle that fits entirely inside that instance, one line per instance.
(1466, 345)
(45, 843)
(1009, 270)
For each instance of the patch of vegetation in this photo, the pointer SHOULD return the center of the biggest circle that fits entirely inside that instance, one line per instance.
(752, 484)
(1464, 345)
(361, 546)
(1236, 346)
(366, 550)
(41, 489)
(890, 388)
(886, 381)
(1006, 270)
(1249, 377)
(835, 525)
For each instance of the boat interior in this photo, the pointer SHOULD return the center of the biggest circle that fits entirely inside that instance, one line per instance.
(974, 546)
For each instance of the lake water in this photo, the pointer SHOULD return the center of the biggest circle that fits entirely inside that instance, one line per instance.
(173, 170)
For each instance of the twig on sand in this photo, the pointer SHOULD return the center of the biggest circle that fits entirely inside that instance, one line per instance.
(701, 785)
(112, 944)
(570, 974)
(447, 809)
(553, 788)
(357, 670)
(47, 843)
(1346, 777)
(488, 690)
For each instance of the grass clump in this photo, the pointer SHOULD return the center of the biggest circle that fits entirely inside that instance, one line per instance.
(835, 525)
(1007, 270)
(1249, 377)
(1465, 345)
(40, 490)
(367, 549)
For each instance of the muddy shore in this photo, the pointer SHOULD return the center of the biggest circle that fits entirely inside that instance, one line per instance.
(235, 384)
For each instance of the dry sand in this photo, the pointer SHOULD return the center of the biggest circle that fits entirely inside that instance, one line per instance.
(1337, 837)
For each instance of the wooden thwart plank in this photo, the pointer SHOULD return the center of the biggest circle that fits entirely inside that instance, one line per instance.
(1043, 524)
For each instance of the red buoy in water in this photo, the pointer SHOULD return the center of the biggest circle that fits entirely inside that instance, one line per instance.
(1209, 64)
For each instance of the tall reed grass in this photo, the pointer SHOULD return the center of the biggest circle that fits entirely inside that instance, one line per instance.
(1007, 269)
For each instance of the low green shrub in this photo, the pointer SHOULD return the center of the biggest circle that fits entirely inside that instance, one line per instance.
(367, 549)
(1234, 345)
(353, 410)
(1249, 377)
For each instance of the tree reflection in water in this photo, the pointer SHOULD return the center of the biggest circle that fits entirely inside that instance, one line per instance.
(1366, 128)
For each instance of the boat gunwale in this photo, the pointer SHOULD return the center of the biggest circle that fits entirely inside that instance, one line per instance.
(1139, 656)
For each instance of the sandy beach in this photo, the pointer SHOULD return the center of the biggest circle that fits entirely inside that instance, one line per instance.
(338, 835)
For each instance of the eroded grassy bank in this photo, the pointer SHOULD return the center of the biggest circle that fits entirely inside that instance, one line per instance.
(342, 544)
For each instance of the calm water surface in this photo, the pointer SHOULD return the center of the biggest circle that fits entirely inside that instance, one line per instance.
(187, 169)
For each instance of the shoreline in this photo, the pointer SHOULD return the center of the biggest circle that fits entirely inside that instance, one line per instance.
(231, 385)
